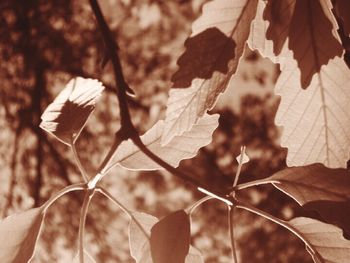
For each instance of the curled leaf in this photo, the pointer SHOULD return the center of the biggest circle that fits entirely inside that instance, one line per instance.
(66, 116)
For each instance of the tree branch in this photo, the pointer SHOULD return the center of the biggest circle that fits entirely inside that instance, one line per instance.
(127, 129)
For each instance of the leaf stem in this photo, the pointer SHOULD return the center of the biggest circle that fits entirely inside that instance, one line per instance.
(87, 198)
(78, 162)
(194, 206)
(230, 211)
(248, 207)
(240, 164)
(70, 188)
(123, 208)
(254, 183)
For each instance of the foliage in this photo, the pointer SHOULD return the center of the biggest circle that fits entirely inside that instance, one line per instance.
(314, 91)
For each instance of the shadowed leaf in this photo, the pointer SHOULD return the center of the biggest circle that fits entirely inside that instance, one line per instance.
(180, 147)
(170, 238)
(316, 187)
(279, 14)
(218, 62)
(66, 116)
(311, 29)
(206, 52)
(139, 241)
(332, 212)
(327, 240)
(18, 235)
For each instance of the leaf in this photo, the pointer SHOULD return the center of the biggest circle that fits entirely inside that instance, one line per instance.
(279, 14)
(19, 234)
(311, 30)
(316, 122)
(139, 243)
(170, 238)
(181, 147)
(87, 258)
(213, 52)
(316, 187)
(326, 239)
(66, 116)
(138, 240)
(313, 182)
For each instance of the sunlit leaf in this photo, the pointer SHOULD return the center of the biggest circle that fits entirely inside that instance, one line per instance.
(180, 147)
(316, 122)
(18, 235)
(66, 116)
(213, 52)
(318, 188)
(326, 240)
(170, 238)
(257, 39)
(139, 243)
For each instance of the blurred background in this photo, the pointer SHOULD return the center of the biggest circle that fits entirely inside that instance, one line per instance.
(43, 44)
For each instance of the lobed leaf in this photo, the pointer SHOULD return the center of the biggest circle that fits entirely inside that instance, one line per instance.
(327, 240)
(181, 147)
(19, 234)
(213, 52)
(311, 31)
(139, 242)
(66, 116)
(315, 121)
(316, 124)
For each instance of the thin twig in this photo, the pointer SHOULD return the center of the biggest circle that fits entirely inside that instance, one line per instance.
(248, 207)
(123, 208)
(194, 206)
(240, 164)
(88, 196)
(230, 211)
(70, 188)
(254, 183)
(78, 162)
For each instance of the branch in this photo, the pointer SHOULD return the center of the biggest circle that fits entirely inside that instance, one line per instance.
(127, 130)
(87, 199)
(230, 211)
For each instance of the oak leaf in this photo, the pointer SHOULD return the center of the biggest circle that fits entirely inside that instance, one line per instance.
(224, 27)
(180, 147)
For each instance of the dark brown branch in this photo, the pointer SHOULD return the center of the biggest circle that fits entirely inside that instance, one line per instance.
(127, 129)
